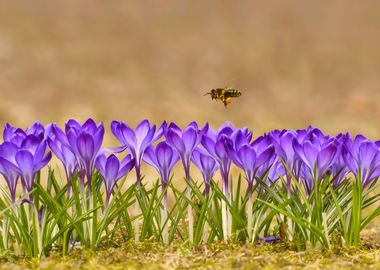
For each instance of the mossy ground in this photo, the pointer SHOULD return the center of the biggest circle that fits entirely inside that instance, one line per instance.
(152, 255)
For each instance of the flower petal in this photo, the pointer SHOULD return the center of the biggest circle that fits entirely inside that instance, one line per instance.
(85, 144)
(111, 168)
(174, 139)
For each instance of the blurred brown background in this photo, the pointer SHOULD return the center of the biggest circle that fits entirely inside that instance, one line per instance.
(296, 62)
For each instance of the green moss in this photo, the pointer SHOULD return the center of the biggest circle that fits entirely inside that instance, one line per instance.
(178, 255)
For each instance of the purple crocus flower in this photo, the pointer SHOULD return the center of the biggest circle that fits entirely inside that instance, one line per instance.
(137, 141)
(362, 155)
(17, 135)
(30, 158)
(339, 168)
(206, 165)
(283, 143)
(85, 142)
(250, 159)
(215, 144)
(112, 170)
(163, 159)
(8, 167)
(316, 158)
(311, 134)
(217, 149)
(185, 142)
(60, 146)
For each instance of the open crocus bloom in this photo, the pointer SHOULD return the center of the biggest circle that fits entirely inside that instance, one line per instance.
(185, 142)
(136, 141)
(112, 170)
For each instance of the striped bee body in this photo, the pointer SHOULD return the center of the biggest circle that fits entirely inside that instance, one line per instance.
(224, 94)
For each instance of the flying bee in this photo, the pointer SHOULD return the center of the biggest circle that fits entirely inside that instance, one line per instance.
(224, 94)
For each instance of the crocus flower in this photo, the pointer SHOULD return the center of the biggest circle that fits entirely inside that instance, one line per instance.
(316, 158)
(112, 170)
(8, 167)
(17, 135)
(163, 159)
(283, 143)
(218, 151)
(362, 155)
(185, 142)
(136, 140)
(249, 159)
(85, 142)
(30, 158)
(60, 146)
(206, 165)
(339, 168)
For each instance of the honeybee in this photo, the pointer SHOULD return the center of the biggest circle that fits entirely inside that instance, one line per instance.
(224, 94)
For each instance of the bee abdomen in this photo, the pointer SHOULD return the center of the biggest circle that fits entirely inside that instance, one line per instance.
(232, 93)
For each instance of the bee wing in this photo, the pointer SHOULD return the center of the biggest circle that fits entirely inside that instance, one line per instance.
(231, 83)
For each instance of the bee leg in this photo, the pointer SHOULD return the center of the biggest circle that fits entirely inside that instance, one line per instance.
(227, 101)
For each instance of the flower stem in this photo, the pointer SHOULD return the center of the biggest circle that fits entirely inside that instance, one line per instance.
(37, 231)
(190, 216)
(164, 217)
(224, 214)
(137, 205)
(249, 217)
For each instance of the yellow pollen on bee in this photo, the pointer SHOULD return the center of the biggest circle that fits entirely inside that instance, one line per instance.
(228, 100)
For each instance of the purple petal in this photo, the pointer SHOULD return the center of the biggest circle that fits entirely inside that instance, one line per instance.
(40, 152)
(72, 139)
(150, 157)
(128, 136)
(265, 156)
(367, 152)
(189, 138)
(54, 147)
(8, 151)
(196, 158)
(115, 128)
(142, 129)
(164, 155)
(286, 142)
(147, 140)
(173, 127)
(311, 154)
(31, 143)
(8, 132)
(174, 139)
(98, 138)
(90, 126)
(349, 160)
(247, 156)
(24, 161)
(85, 144)
(111, 168)
(40, 164)
(126, 165)
(100, 164)
(72, 124)
(160, 131)
(325, 158)
(220, 149)
(209, 145)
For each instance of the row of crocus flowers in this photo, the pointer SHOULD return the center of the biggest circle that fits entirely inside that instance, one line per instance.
(308, 153)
